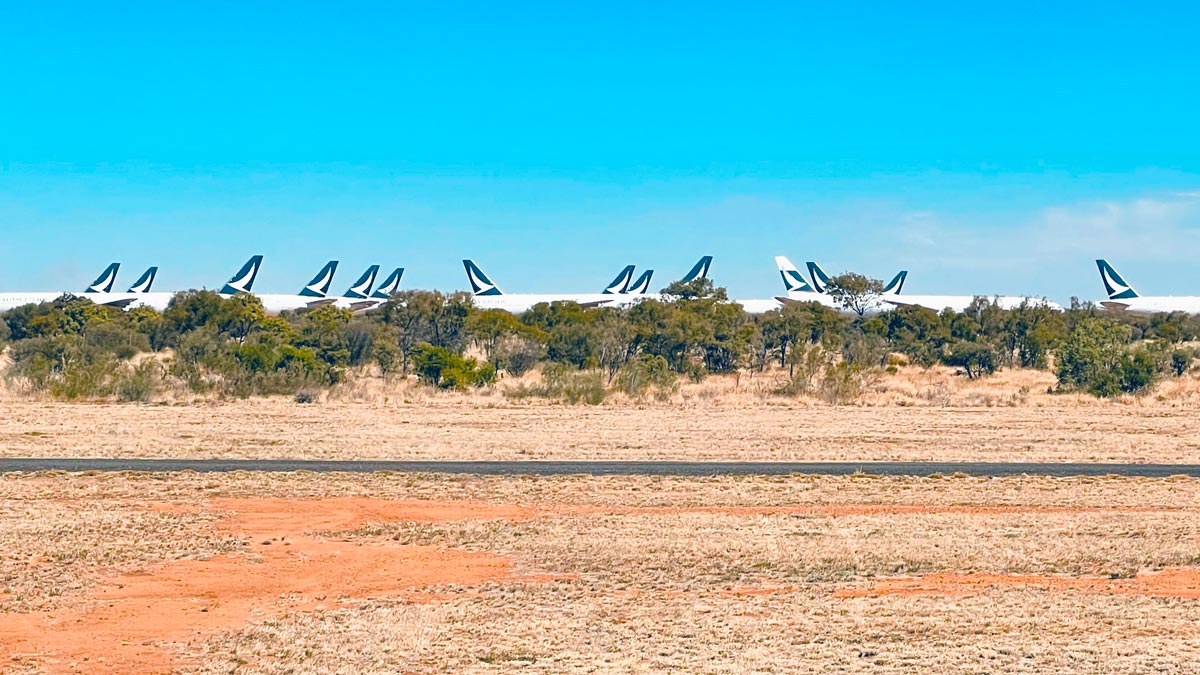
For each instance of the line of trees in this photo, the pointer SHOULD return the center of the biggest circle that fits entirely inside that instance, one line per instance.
(71, 348)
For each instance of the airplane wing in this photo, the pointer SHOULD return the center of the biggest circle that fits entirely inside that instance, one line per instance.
(121, 302)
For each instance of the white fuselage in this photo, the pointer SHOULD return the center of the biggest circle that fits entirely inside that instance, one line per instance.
(959, 303)
(13, 300)
(520, 302)
(1154, 304)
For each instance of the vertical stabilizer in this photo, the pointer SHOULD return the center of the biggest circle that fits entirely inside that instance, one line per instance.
(104, 282)
(793, 280)
(819, 279)
(480, 283)
(621, 283)
(390, 285)
(896, 284)
(642, 285)
(243, 281)
(700, 270)
(144, 282)
(1114, 284)
(361, 289)
(319, 286)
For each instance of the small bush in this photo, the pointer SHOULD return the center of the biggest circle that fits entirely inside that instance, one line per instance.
(306, 396)
(140, 383)
(644, 373)
(566, 384)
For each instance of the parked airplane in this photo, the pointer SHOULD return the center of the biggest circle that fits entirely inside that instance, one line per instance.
(620, 285)
(488, 295)
(797, 287)
(358, 296)
(1123, 298)
(97, 290)
(314, 294)
(891, 296)
(642, 285)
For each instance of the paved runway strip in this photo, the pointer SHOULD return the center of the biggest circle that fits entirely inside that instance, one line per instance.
(603, 468)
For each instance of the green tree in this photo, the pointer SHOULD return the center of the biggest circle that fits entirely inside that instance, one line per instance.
(854, 292)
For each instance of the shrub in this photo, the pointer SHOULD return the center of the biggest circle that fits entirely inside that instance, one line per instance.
(975, 358)
(644, 373)
(566, 384)
(139, 383)
(442, 368)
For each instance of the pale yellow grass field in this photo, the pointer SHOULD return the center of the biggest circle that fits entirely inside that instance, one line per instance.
(631, 574)
(912, 415)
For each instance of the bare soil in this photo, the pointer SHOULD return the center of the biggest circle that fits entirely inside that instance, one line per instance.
(307, 574)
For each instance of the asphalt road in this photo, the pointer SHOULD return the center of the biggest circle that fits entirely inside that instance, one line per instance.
(603, 468)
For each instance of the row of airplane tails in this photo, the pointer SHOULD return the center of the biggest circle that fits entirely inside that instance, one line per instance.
(622, 291)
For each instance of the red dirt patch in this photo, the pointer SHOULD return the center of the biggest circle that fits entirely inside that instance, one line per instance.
(1169, 583)
(131, 622)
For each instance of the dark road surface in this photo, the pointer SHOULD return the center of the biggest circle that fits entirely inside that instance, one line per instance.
(604, 468)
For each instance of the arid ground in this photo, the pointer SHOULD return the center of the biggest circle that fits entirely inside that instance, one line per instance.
(400, 573)
(302, 573)
(279, 428)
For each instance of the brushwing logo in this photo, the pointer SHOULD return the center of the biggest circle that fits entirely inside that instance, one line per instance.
(621, 283)
(389, 285)
(793, 281)
(104, 283)
(243, 281)
(642, 285)
(362, 287)
(896, 284)
(1117, 288)
(143, 284)
(319, 286)
(819, 279)
(700, 271)
(480, 284)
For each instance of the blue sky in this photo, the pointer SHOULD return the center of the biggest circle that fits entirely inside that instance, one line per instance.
(987, 150)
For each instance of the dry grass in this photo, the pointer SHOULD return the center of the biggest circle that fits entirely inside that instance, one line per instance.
(913, 414)
(643, 574)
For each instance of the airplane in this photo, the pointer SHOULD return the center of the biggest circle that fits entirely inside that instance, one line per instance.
(314, 294)
(642, 285)
(797, 288)
(488, 295)
(389, 287)
(1123, 298)
(135, 296)
(958, 303)
(98, 289)
(358, 296)
(620, 285)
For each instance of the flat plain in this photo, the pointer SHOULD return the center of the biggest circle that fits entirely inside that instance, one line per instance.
(471, 429)
(306, 574)
(257, 573)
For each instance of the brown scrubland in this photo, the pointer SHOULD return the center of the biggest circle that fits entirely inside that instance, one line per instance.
(303, 573)
(914, 414)
(300, 573)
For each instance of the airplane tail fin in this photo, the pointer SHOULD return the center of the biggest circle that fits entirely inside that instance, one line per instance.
(819, 279)
(362, 288)
(243, 281)
(642, 284)
(144, 282)
(897, 283)
(480, 283)
(104, 282)
(319, 286)
(1116, 286)
(793, 280)
(700, 270)
(621, 283)
(390, 285)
